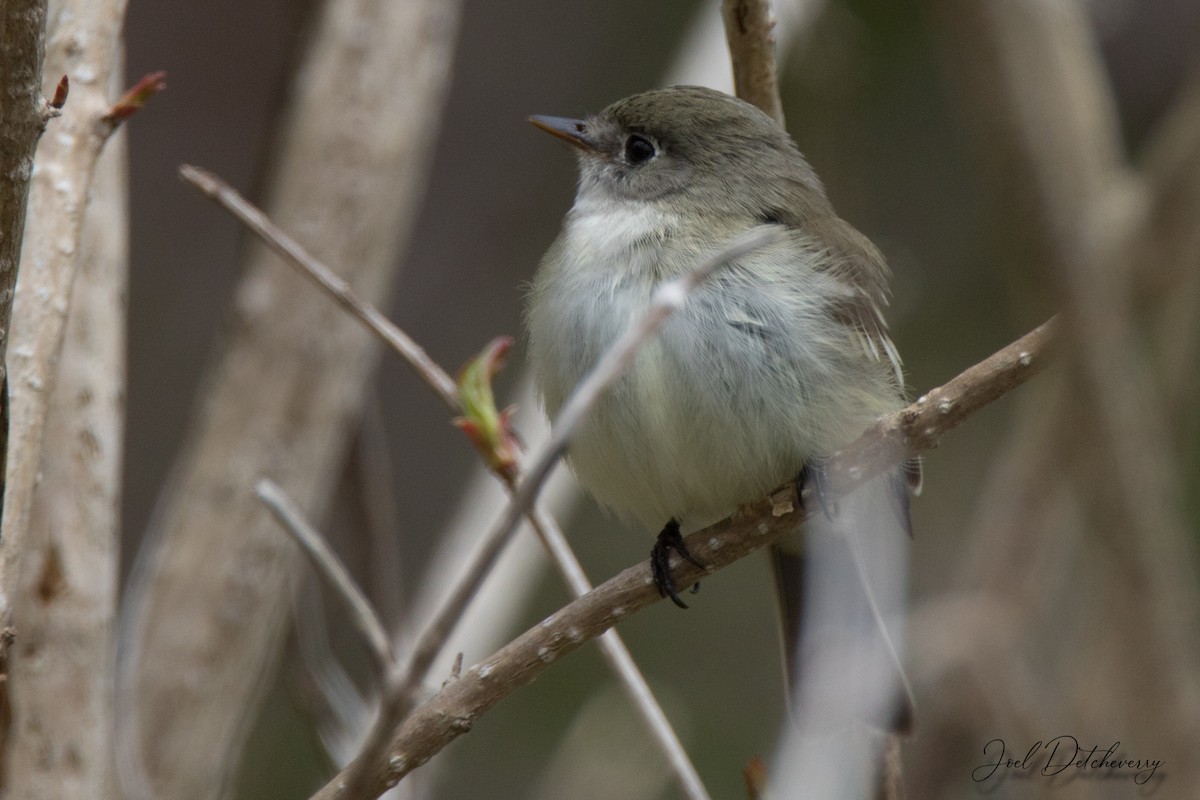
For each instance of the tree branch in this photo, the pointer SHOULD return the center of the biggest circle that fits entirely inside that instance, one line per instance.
(750, 32)
(331, 570)
(455, 709)
(83, 39)
(61, 675)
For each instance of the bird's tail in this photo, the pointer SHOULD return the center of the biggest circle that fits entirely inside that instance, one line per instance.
(840, 585)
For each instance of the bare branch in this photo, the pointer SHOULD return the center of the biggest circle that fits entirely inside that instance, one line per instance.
(455, 709)
(61, 675)
(85, 40)
(296, 255)
(331, 570)
(750, 31)
(919, 426)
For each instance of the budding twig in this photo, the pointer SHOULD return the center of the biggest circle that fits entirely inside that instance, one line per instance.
(132, 101)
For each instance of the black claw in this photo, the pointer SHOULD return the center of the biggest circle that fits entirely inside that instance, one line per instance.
(814, 472)
(669, 539)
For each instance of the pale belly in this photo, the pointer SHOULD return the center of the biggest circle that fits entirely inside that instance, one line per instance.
(740, 387)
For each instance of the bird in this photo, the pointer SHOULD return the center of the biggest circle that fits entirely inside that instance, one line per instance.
(773, 364)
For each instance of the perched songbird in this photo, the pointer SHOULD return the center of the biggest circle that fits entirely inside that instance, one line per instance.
(775, 362)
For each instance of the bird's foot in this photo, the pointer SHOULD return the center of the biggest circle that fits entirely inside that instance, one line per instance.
(814, 472)
(669, 539)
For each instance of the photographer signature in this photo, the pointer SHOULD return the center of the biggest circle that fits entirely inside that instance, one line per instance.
(1055, 756)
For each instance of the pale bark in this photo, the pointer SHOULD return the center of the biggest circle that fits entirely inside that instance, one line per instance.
(211, 595)
(82, 43)
(61, 675)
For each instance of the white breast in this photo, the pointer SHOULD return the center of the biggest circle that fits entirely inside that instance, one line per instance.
(709, 415)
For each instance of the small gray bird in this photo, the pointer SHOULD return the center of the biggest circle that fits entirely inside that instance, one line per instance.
(775, 362)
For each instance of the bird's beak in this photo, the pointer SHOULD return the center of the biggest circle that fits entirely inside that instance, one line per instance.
(571, 131)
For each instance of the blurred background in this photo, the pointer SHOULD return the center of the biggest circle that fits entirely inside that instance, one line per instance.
(874, 93)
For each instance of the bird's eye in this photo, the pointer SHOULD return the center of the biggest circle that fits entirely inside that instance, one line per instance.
(639, 149)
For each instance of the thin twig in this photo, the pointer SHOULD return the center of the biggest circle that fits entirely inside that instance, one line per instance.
(293, 253)
(749, 30)
(429, 646)
(456, 708)
(331, 570)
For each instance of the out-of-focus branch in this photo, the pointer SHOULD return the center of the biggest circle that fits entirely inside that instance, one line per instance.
(750, 31)
(334, 286)
(1045, 113)
(209, 598)
(1170, 247)
(61, 675)
(362, 613)
(331, 570)
(401, 696)
(81, 37)
(455, 709)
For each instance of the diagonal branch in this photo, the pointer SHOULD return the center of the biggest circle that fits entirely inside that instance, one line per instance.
(455, 709)
(331, 570)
